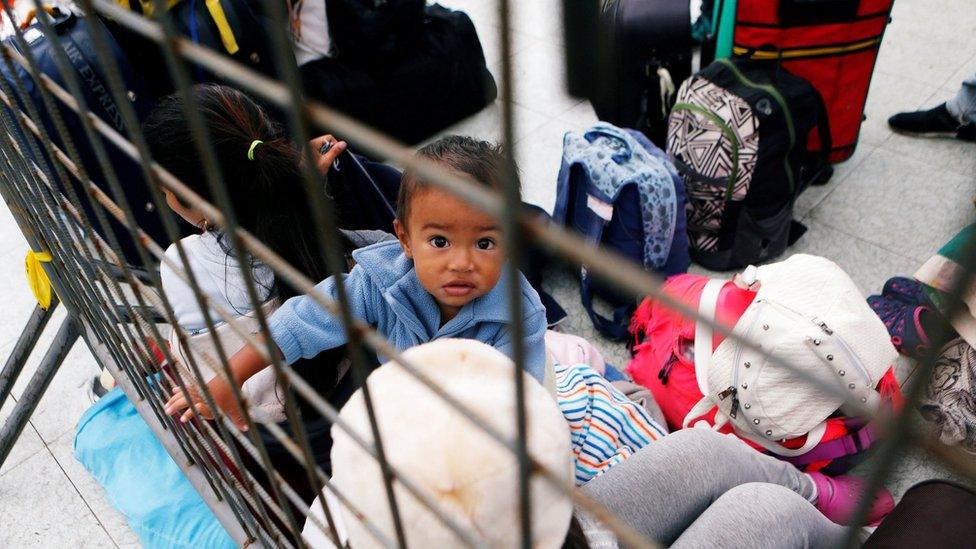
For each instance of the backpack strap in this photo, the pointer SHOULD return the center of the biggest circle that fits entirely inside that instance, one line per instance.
(707, 305)
(822, 170)
(616, 328)
(848, 445)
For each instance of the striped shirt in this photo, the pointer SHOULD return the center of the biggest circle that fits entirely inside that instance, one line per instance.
(605, 426)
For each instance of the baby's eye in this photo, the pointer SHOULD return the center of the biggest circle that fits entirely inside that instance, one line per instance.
(438, 242)
(486, 244)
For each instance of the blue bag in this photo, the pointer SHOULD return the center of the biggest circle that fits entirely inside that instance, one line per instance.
(141, 480)
(622, 192)
(76, 42)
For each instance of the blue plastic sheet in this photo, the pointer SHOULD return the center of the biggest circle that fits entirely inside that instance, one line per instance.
(141, 480)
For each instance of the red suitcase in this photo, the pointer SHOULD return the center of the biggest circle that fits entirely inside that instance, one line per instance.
(831, 43)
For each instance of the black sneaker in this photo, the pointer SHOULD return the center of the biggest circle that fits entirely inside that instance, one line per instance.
(935, 122)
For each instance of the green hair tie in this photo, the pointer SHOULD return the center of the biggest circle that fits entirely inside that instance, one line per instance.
(250, 150)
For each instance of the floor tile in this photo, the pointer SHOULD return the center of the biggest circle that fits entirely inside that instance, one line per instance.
(539, 155)
(868, 265)
(582, 115)
(539, 18)
(11, 239)
(938, 153)
(28, 443)
(487, 124)
(539, 75)
(814, 195)
(490, 37)
(92, 492)
(890, 94)
(42, 509)
(898, 203)
(919, 54)
(68, 396)
(967, 70)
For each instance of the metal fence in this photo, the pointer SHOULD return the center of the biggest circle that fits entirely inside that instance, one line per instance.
(118, 311)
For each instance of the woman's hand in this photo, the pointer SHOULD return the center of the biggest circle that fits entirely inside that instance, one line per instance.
(324, 160)
(222, 395)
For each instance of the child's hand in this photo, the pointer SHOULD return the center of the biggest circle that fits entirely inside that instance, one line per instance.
(325, 159)
(220, 392)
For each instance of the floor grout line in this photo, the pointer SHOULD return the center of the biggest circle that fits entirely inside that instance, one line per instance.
(83, 499)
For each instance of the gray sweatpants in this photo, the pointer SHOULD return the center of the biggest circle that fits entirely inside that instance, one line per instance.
(698, 488)
(963, 105)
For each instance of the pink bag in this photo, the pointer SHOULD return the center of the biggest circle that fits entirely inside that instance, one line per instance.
(663, 349)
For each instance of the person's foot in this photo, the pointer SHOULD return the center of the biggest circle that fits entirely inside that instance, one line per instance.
(101, 384)
(936, 122)
(904, 323)
(838, 498)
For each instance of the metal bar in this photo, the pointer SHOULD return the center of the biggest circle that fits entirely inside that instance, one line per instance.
(66, 250)
(33, 70)
(468, 191)
(332, 251)
(24, 346)
(63, 342)
(898, 433)
(128, 114)
(513, 247)
(606, 265)
(194, 474)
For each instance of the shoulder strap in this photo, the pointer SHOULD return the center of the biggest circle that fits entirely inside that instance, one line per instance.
(703, 349)
(615, 328)
(703, 332)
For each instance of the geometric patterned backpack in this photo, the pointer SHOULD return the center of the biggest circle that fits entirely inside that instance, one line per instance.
(737, 134)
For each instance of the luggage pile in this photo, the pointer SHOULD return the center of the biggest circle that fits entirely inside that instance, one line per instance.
(746, 134)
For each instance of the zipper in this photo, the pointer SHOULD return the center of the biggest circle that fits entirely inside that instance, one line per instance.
(738, 348)
(734, 393)
(726, 131)
(842, 343)
(778, 97)
(806, 52)
(733, 390)
(851, 357)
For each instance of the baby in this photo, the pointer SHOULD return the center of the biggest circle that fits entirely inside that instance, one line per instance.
(444, 277)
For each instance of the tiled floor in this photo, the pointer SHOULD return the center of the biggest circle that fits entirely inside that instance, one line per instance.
(883, 213)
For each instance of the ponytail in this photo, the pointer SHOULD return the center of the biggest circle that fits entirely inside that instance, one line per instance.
(260, 167)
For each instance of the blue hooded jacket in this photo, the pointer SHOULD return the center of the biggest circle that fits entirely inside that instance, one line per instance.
(384, 291)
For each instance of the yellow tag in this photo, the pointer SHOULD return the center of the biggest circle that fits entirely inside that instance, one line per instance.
(223, 27)
(40, 284)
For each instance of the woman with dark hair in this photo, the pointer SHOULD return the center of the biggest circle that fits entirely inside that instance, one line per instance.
(262, 172)
(261, 169)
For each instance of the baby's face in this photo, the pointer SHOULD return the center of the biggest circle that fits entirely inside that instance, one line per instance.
(456, 248)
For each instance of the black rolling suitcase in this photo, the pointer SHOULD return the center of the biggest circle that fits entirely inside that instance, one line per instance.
(416, 92)
(648, 46)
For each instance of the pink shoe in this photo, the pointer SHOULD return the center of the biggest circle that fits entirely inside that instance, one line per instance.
(837, 498)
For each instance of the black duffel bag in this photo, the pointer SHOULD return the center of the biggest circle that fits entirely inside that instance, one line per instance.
(421, 91)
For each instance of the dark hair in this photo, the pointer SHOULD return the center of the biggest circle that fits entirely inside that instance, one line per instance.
(267, 193)
(482, 160)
